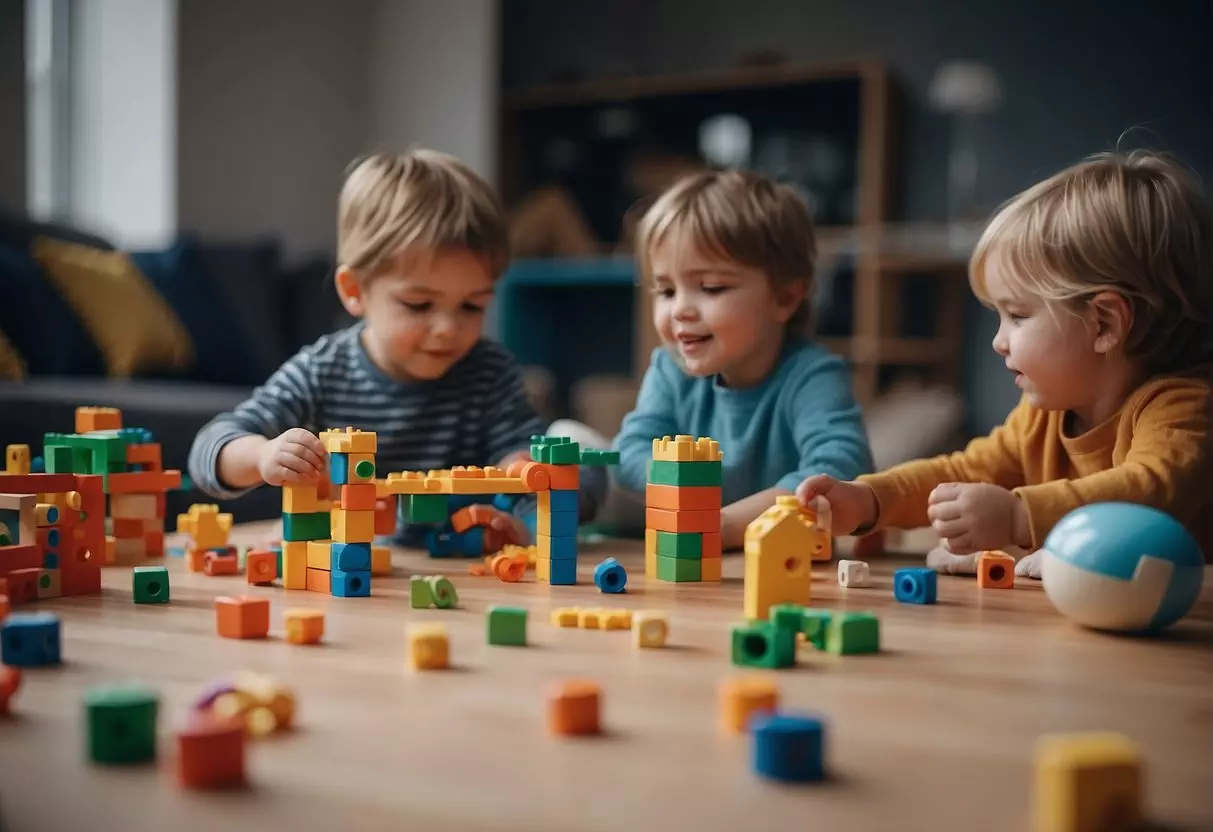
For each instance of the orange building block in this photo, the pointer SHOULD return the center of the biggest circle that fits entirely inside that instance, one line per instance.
(385, 516)
(710, 547)
(711, 569)
(5, 607)
(210, 753)
(507, 568)
(10, 683)
(320, 580)
(358, 497)
(126, 527)
(304, 626)
(574, 708)
(89, 419)
(214, 563)
(242, 617)
(742, 697)
(470, 516)
(560, 477)
(664, 520)
(261, 566)
(195, 560)
(21, 586)
(148, 455)
(683, 497)
(995, 570)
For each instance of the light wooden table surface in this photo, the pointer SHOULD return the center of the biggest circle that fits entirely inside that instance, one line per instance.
(935, 733)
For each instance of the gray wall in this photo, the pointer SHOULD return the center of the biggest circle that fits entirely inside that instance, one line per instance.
(12, 105)
(1076, 74)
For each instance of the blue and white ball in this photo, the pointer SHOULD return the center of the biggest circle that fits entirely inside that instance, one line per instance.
(1122, 567)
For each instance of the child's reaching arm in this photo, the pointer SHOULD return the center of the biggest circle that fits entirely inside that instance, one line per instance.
(652, 418)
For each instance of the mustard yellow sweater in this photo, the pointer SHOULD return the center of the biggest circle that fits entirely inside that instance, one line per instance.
(1154, 450)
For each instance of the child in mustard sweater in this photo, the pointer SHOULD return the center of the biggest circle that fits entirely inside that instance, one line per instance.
(1102, 277)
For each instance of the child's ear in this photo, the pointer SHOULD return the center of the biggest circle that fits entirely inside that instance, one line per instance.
(349, 290)
(789, 298)
(1113, 319)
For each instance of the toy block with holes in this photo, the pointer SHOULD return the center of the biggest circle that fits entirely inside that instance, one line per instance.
(207, 549)
(995, 570)
(780, 545)
(682, 510)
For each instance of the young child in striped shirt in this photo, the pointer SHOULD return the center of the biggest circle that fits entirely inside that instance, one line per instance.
(421, 242)
(1102, 277)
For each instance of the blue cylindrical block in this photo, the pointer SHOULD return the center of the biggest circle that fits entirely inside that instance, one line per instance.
(610, 576)
(788, 747)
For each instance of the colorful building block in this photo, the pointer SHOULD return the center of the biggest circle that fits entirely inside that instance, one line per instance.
(851, 633)
(345, 584)
(304, 626)
(30, 639)
(121, 724)
(779, 547)
(915, 586)
(150, 585)
(995, 570)
(651, 629)
(506, 626)
(434, 590)
(740, 698)
(574, 708)
(788, 747)
(211, 753)
(429, 647)
(1087, 782)
(610, 576)
(762, 644)
(242, 617)
(679, 569)
(853, 573)
(815, 625)
(308, 526)
(261, 567)
(685, 473)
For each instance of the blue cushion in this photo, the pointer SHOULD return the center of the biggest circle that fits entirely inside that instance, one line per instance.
(222, 354)
(40, 324)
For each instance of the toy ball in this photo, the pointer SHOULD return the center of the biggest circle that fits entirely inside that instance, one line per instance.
(1121, 567)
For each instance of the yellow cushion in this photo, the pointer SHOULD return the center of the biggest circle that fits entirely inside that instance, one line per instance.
(12, 366)
(134, 328)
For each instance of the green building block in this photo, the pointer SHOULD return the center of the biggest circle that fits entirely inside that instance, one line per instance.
(428, 508)
(680, 545)
(103, 452)
(762, 644)
(420, 595)
(506, 626)
(662, 472)
(854, 632)
(121, 724)
(432, 591)
(597, 458)
(787, 617)
(815, 625)
(150, 584)
(278, 556)
(555, 450)
(679, 570)
(365, 469)
(314, 525)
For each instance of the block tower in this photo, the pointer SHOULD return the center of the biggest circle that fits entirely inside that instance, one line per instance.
(556, 516)
(132, 475)
(682, 510)
(326, 544)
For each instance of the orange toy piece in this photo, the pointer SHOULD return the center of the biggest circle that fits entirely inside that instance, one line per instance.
(304, 626)
(10, 682)
(508, 568)
(210, 753)
(683, 497)
(195, 560)
(319, 580)
(704, 521)
(995, 570)
(385, 516)
(20, 586)
(358, 497)
(5, 607)
(89, 419)
(470, 516)
(742, 697)
(214, 563)
(261, 566)
(242, 617)
(574, 707)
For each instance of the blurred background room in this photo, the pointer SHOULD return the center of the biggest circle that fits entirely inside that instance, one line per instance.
(169, 172)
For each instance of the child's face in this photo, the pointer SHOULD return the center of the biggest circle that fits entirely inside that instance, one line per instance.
(423, 313)
(721, 317)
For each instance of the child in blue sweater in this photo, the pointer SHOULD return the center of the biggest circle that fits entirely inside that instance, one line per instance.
(729, 259)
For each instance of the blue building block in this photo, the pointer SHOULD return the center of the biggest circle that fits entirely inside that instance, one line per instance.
(471, 542)
(52, 538)
(505, 502)
(50, 560)
(564, 500)
(356, 584)
(610, 576)
(350, 557)
(562, 524)
(559, 548)
(788, 747)
(37, 465)
(914, 586)
(563, 572)
(29, 639)
(439, 543)
(339, 469)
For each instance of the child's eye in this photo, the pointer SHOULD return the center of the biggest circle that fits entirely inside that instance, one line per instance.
(423, 306)
(1016, 317)
(663, 292)
(473, 309)
(715, 290)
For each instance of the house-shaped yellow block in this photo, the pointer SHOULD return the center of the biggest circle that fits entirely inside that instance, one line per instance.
(780, 546)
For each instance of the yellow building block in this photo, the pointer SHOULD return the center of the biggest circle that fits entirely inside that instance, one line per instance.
(779, 547)
(429, 647)
(652, 629)
(294, 564)
(616, 620)
(543, 569)
(684, 448)
(381, 560)
(25, 530)
(17, 459)
(206, 526)
(566, 617)
(353, 526)
(709, 569)
(350, 441)
(354, 461)
(592, 618)
(650, 554)
(1087, 782)
(49, 585)
(300, 499)
(319, 554)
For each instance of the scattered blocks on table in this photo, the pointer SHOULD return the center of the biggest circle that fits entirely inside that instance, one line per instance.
(566, 617)
(216, 563)
(788, 747)
(762, 644)
(10, 683)
(121, 724)
(574, 708)
(30, 639)
(610, 576)
(206, 527)
(851, 633)
(506, 626)
(150, 585)
(242, 617)
(652, 629)
(432, 591)
(1087, 782)
(258, 703)
(853, 573)
(261, 567)
(815, 624)
(915, 586)
(210, 753)
(304, 626)
(995, 570)
(429, 647)
(740, 698)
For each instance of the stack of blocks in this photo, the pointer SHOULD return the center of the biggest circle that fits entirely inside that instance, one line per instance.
(326, 545)
(132, 474)
(682, 510)
(52, 531)
(556, 516)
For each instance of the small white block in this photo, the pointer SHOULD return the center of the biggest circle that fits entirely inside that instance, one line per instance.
(853, 573)
(650, 629)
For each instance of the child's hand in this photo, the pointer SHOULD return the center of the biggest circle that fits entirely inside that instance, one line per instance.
(296, 456)
(510, 525)
(852, 504)
(970, 517)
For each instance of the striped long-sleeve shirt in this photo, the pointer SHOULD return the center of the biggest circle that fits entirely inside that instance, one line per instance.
(476, 414)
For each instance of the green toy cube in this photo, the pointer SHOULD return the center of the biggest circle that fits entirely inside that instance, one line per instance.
(314, 525)
(787, 617)
(433, 591)
(762, 644)
(420, 595)
(816, 625)
(854, 632)
(506, 626)
(150, 584)
(680, 545)
(597, 458)
(428, 508)
(679, 570)
(121, 724)
(663, 472)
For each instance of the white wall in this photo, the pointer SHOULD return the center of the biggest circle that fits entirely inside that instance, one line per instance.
(123, 120)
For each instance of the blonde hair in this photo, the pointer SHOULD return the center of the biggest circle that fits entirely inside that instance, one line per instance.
(1135, 224)
(743, 218)
(391, 203)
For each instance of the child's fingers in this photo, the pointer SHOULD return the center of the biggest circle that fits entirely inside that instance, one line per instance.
(944, 492)
(308, 455)
(962, 545)
(949, 510)
(297, 465)
(950, 529)
(817, 485)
